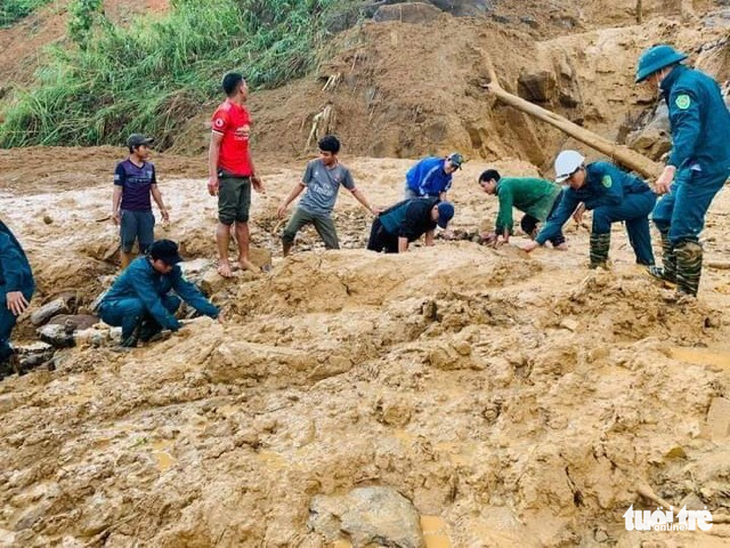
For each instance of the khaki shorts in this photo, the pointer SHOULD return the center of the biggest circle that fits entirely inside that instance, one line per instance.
(234, 198)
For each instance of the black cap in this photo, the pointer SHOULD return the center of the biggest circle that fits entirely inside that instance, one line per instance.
(137, 139)
(166, 251)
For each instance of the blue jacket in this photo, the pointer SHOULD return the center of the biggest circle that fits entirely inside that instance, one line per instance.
(409, 219)
(141, 281)
(15, 271)
(605, 186)
(428, 178)
(699, 120)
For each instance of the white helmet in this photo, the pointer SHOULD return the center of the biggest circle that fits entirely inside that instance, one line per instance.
(566, 164)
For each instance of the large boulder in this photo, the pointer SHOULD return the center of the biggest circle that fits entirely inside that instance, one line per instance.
(408, 12)
(377, 516)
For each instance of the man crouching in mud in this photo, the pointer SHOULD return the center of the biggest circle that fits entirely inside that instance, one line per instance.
(406, 221)
(139, 301)
(16, 289)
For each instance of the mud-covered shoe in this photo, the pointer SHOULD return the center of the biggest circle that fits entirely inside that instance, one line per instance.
(600, 244)
(659, 274)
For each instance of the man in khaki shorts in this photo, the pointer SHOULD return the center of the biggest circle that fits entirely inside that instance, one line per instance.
(232, 172)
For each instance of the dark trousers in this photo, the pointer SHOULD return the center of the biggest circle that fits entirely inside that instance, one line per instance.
(129, 313)
(528, 223)
(381, 239)
(634, 210)
(7, 323)
(682, 212)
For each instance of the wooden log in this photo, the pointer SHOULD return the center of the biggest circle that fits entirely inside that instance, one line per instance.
(620, 153)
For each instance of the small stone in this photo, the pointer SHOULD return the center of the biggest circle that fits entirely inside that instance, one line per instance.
(47, 219)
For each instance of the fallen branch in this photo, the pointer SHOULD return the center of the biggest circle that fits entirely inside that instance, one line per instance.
(622, 154)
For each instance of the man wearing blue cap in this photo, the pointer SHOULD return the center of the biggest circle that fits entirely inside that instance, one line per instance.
(407, 221)
(431, 176)
(16, 289)
(139, 301)
(698, 164)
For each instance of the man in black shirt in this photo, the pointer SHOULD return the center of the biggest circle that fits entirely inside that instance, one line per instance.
(407, 221)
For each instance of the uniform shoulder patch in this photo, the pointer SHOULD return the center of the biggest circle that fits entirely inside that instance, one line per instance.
(683, 102)
(607, 181)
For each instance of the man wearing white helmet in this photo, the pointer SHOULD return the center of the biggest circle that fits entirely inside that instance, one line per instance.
(613, 195)
(698, 165)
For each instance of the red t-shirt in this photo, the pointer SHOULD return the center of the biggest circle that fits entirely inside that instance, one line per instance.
(234, 123)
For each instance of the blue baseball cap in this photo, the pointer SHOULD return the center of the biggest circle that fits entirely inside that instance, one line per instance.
(446, 213)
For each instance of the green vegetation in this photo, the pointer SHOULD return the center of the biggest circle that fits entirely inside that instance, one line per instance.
(156, 74)
(13, 10)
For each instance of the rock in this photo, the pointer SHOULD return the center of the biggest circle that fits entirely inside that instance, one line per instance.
(538, 86)
(75, 322)
(394, 412)
(377, 516)
(47, 219)
(56, 335)
(408, 12)
(465, 8)
(718, 419)
(33, 355)
(48, 310)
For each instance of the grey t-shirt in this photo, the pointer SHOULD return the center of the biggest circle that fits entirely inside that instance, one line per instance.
(322, 186)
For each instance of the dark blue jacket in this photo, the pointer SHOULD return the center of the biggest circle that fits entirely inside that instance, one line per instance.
(605, 185)
(699, 119)
(428, 178)
(409, 219)
(141, 281)
(15, 271)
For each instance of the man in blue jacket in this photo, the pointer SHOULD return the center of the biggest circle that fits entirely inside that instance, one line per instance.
(399, 225)
(16, 289)
(140, 300)
(431, 177)
(698, 165)
(613, 195)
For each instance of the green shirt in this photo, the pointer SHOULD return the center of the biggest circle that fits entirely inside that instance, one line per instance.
(528, 194)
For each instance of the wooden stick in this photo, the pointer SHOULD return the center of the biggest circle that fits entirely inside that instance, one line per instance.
(620, 153)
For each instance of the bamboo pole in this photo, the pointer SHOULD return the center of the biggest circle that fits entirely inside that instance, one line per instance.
(622, 154)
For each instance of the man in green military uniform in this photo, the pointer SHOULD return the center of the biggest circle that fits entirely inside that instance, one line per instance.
(698, 165)
(537, 198)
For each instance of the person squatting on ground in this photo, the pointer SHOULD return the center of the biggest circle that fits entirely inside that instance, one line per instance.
(613, 195)
(322, 180)
(407, 221)
(232, 172)
(698, 164)
(140, 301)
(134, 181)
(536, 198)
(16, 289)
(431, 177)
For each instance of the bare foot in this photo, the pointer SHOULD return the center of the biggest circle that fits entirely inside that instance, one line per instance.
(224, 268)
(562, 247)
(248, 265)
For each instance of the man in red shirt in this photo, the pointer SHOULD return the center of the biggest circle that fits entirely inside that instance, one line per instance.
(232, 172)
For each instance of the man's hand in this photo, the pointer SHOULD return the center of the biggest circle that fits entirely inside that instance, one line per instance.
(530, 246)
(663, 184)
(221, 318)
(116, 217)
(488, 238)
(165, 214)
(213, 185)
(16, 302)
(578, 213)
(281, 211)
(376, 210)
(258, 184)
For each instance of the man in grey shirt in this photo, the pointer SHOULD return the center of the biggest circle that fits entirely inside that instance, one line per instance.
(322, 179)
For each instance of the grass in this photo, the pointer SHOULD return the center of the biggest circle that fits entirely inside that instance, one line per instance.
(154, 75)
(12, 11)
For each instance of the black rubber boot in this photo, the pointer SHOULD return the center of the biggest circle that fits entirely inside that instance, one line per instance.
(689, 267)
(600, 244)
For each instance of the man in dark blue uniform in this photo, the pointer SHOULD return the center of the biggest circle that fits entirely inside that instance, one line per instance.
(140, 300)
(613, 195)
(698, 165)
(16, 289)
(399, 225)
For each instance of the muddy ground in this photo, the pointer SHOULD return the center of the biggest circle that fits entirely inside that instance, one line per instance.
(513, 398)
